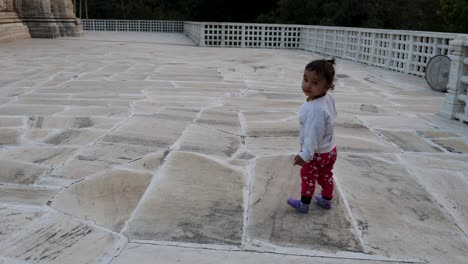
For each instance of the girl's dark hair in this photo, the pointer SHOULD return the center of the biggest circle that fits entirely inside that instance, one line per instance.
(325, 68)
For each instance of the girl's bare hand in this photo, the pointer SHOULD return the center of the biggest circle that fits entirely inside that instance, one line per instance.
(298, 161)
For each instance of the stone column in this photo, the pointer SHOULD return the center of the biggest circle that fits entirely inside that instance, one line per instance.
(69, 25)
(11, 27)
(37, 14)
(453, 106)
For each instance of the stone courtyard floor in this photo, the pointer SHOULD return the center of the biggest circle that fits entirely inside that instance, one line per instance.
(144, 148)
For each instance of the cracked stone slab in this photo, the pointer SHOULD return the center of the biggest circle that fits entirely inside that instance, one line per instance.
(9, 136)
(219, 144)
(364, 109)
(187, 205)
(14, 219)
(408, 141)
(352, 136)
(159, 131)
(397, 122)
(128, 87)
(19, 109)
(150, 161)
(272, 220)
(245, 104)
(78, 137)
(286, 128)
(149, 254)
(11, 121)
(64, 102)
(19, 172)
(60, 239)
(99, 157)
(26, 195)
(52, 156)
(454, 145)
(446, 177)
(100, 111)
(64, 122)
(107, 199)
(221, 120)
(388, 202)
(272, 145)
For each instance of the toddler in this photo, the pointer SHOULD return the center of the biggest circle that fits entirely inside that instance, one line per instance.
(317, 136)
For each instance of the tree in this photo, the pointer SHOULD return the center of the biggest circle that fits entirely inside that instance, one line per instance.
(455, 15)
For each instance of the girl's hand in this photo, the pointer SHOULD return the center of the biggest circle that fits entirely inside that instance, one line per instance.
(298, 161)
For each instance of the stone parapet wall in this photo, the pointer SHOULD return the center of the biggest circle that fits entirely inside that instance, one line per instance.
(455, 105)
(133, 25)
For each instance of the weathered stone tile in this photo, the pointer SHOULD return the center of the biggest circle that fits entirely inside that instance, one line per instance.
(128, 87)
(277, 116)
(387, 201)
(100, 157)
(158, 131)
(209, 141)
(149, 254)
(62, 122)
(185, 78)
(212, 214)
(107, 199)
(227, 121)
(150, 162)
(272, 145)
(26, 195)
(272, 220)
(18, 172)
(244, 104)
(150, 107)
(14, 219)
(397, 122)
(129, 77)
(13, 91)
(9, 136)
(367, 109)
(408, 141)
(109, 96)
(285, 128)
(18, 109)
(11, 122)
(80, 137)
(114, 112)
(455, 145)
(223, 86)
(39, 95)
(36, 135)
(52, 156)
(60, 239)
(363, 98)
(48, 101)
(60, 78)
(436, 134)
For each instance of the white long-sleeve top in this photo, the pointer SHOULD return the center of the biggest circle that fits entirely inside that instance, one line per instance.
(317, 126)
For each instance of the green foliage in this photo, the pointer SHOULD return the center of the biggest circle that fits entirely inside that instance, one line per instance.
(427, 15)
(455, 15)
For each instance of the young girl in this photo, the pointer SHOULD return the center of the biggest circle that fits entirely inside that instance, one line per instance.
(318, 151)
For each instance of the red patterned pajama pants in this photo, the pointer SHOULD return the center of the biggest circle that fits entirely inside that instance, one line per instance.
(319, 169)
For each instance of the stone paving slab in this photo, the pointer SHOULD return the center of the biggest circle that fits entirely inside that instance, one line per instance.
(162, 150)
(59, 239)
(272, 221)
(412, 220)
(146, 254)
(116, 201)
(180, 201)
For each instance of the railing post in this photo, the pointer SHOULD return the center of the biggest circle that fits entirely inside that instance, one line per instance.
(453, 106)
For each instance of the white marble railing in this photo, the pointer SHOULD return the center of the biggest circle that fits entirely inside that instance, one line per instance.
(132, 25)
(403, 51)
(456, 99)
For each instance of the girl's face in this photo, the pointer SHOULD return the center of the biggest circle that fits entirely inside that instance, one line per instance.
(314, 85)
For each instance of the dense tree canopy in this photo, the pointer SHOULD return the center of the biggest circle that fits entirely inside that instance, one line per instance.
(428, 15)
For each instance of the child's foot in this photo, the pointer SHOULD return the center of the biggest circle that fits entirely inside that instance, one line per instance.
(322, 202)
(298, 205)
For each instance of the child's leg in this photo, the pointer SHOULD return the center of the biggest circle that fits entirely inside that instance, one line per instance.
(309, 173)
(325, 179)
